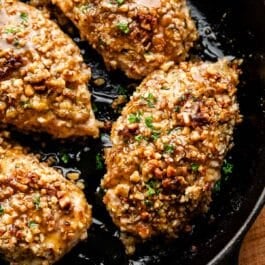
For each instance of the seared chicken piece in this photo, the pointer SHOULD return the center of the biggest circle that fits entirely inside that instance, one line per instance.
(42, 215)
(43, 79)
(136, 36)
(168, 149)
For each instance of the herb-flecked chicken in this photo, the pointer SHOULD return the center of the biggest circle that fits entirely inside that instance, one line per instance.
(42, 215)
(43, 79)
(136, 36)
(168, 148)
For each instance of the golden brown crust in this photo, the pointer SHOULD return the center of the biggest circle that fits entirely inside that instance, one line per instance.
(43, 79)
(168, 148)
(136, 36)
(42, 215)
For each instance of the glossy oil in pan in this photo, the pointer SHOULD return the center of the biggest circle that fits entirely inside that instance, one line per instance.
(227, 28)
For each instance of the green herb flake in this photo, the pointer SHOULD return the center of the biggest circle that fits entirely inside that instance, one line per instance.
(217, 186)
(99, 162)
(32, 224)
(177, 109)
(2, 210)
(134, 118)
(195, 167)
(25, 104)
(11, 30)
(122, 90)
(148, 203)
(150, 99)
(65, 158)
(227, 168)
(24, 17)
(119, 2)
(123, 27)
(152, 187)
(149, 122)
(150, 191)
(138, 138)
(169, 148)
(94, 107)
(155, 135)
(36, 202)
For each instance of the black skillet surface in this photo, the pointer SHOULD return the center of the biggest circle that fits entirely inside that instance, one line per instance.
(232, 28)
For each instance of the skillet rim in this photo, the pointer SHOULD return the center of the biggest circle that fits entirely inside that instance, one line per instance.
(232, 248)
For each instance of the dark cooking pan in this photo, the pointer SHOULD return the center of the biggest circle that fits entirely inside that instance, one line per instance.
(234, 28)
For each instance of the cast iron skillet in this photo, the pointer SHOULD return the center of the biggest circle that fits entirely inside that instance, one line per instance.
(234, 28)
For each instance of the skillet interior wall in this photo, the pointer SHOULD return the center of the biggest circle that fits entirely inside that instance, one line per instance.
(239, 27)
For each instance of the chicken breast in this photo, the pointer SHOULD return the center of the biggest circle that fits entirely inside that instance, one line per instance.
(43, 79)
(42, 215)
(168, 149)
(136, 36)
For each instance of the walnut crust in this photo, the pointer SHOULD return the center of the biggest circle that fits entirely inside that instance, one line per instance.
(168, 148)
(43, 79)
(42, 215)
(136, 36)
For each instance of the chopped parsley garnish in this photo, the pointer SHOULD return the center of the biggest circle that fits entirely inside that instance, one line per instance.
(1, 210)
(99, 162)
(121, 90)
(36, 202)
(24, 16)
(138, 138)
(12, 30)
(32, 224)
(151, 100)
(148, 203)
(94, 107)
(133, 118)
(65, 158)
(152, 187)
(195, 167)
(119, 2)
(123, 27)
(25, 104)
(227, 168)
(149, 122)
(169, 148)
(177, 109)
(217, 186)
(155, 135)
(150, 191)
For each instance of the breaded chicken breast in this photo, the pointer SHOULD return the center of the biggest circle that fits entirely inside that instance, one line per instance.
(168, 148)
(43, 79)
(136, 36)
(42, 215)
